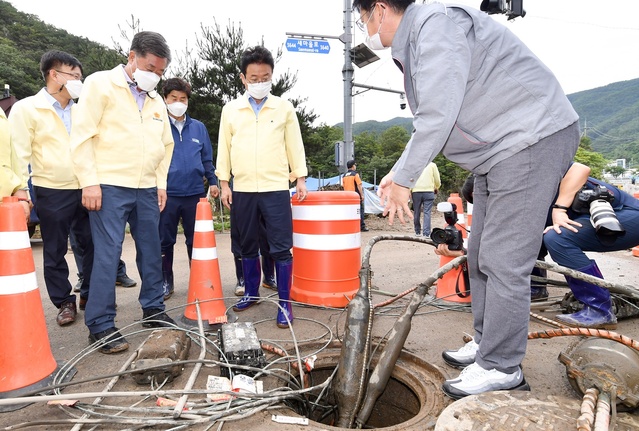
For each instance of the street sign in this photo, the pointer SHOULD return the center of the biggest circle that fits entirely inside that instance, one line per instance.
(313, 46)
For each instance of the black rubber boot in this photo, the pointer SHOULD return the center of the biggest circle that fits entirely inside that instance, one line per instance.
(167, 274)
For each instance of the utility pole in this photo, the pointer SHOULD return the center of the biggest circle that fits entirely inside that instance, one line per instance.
(345, 150)
(347, 76)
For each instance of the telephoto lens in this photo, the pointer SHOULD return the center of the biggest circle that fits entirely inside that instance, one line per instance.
(605, 222)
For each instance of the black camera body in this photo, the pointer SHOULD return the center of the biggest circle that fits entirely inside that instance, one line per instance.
(449, 235)
(586, 196)
(597, 202)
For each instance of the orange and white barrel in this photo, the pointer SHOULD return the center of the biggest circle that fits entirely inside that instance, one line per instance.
(326, 248)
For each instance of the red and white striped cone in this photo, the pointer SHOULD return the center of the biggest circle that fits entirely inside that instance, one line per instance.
(205, 283)
(26, 361)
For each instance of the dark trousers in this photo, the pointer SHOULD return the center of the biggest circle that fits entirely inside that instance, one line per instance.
(61, 212)
(138, 207)
(422, 207)
(235, 237)
(274, 210)
(178, 207)
(568, 248)
(78, 252)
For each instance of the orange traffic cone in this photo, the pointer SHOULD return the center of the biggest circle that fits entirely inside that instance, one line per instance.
(205, 283)
(26, 361)
(452, 286)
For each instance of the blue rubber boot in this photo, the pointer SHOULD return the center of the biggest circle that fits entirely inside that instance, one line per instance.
(597, 310)
(284, 271)
(239, 274)
(268, 269)
(252, 276)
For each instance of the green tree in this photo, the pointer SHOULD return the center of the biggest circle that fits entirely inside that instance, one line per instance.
(616, 171)
(452, 176)
(213, 69)
(595, 161)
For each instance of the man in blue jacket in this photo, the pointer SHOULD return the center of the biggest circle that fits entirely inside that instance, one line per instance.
(192, 162)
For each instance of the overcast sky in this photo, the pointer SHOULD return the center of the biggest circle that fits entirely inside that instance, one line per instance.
(587, 43)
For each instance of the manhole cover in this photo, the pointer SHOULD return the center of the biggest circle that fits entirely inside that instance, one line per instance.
(518, 411)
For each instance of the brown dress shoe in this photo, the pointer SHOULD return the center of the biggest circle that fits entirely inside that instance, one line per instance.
(83, 303)
(67, 314)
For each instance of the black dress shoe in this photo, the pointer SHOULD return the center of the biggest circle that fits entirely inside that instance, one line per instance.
(125, 281)
(156, 318)
(110, 340)
(83, 303)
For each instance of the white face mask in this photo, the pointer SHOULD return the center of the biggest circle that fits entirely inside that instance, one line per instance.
(374, 42)
(145, 80)
(74, 87)
(177, 109)
(260, 90)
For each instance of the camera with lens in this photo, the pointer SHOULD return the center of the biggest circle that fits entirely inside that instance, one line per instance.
(596, 201)
(450, 234)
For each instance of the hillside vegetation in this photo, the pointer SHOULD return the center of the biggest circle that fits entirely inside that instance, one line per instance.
(609, 115)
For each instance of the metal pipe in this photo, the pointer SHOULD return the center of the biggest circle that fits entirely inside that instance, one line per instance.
(351, 369)
(380, 376)
(613, 287)
(108, 387)
(179, 407)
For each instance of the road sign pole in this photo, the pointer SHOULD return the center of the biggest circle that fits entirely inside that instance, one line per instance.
(347, 76)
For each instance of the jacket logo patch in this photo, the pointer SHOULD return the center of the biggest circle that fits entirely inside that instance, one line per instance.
(195, 140)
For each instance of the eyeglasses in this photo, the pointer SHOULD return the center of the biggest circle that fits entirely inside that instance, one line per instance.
(77, 76)
(360, 21)
(259, 81)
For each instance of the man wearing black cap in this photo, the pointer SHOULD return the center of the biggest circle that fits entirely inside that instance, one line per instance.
(353, 183)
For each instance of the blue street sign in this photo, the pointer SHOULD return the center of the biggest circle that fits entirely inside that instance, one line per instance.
(313, 46)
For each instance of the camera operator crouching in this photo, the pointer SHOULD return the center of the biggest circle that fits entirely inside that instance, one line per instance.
(589, 215)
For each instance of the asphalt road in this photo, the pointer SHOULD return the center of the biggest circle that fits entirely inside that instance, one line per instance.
(396, 265)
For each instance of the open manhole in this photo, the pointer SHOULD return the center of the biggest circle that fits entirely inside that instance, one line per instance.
(412, 400)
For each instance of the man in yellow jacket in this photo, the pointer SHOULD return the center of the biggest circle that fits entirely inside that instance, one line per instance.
(260, 143)
(121, 147)
(12, 183)
(40, 127)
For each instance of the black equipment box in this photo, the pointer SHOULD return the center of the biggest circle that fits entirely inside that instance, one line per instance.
(239, 345)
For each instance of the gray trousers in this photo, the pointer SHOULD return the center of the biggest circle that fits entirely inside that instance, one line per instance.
(510, 205)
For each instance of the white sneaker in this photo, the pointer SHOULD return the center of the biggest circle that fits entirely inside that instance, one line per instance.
(462, 357)
(239, 287)
(475, 380)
